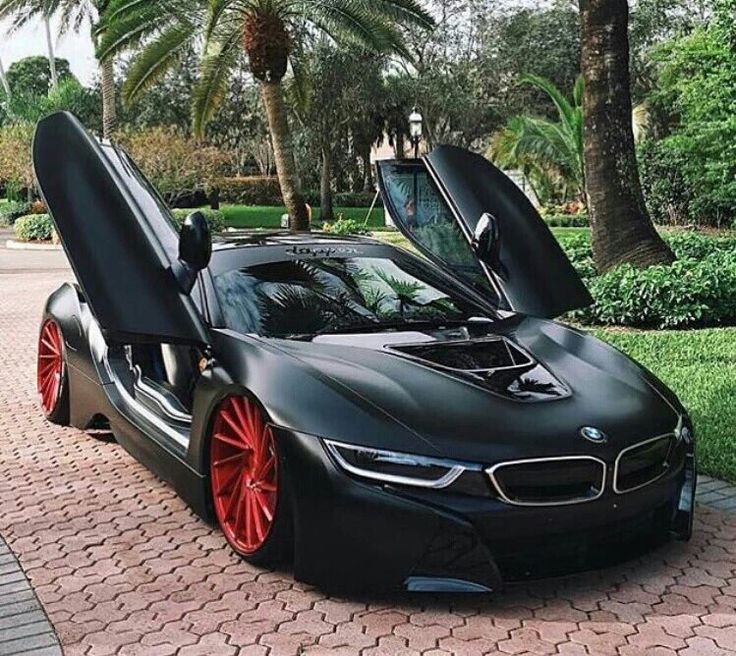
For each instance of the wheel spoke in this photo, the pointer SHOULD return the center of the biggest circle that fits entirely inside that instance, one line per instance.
(223, 461)
(248, 519)
(241, 496)
(258, 516)
(263, 503)
(251, 413)
(234, 426)
(221, 437)
(247, 436)
(50, 346)
(267, 486)
(234, 497)
(265, 469)
(227, 483)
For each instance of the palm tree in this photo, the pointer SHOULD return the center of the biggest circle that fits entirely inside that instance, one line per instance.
(4, 80)
(621, 229)
(269, 32)
(74, 13)
(50, 49)
(549, 153)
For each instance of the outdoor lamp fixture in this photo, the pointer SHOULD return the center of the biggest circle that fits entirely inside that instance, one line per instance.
(415, 130)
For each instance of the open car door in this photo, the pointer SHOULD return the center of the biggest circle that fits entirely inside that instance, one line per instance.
(117, 233)
(438, 202)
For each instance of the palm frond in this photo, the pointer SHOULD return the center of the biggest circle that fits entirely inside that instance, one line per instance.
(404, 12)
(562, 104)
(128, 30)
(219, 59)
(352, 21)
(155, 59)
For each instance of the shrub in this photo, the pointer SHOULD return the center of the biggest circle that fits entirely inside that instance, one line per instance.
(15, 155)
(250, 190)
(698, 289)
(215, 218)
(11, 211)
(354, 199)
(345, 226)
(684, 294)
(176, 164)
(567, 220)
(34, 227)
(696, 90)
(666, 190)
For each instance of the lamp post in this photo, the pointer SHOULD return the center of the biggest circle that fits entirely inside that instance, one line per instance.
(415, 130)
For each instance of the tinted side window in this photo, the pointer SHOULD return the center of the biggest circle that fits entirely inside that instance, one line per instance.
(421, 213)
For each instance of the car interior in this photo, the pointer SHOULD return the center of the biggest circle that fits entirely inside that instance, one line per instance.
(164, 377)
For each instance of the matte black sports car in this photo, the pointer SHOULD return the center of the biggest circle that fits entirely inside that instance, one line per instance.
(385, 419)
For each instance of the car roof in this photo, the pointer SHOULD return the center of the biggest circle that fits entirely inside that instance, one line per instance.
(259, 238)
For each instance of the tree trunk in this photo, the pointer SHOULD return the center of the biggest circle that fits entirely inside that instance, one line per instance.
(621, 230)
(283, 154)
(109, 112)
(325, 186)
(4, 80)
(50, 49)
(367, 172)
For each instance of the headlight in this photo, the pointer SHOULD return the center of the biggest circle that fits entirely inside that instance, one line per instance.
(408, 469)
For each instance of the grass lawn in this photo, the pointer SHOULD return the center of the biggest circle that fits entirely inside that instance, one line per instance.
(257, 216)
(395, 238)
(699, 366)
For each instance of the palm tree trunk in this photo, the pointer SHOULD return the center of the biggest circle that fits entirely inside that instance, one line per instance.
(4, 80)
(50, 49)
(283, 151)
(325, 186)
(621, 230)
(109, 112)
(367, 172)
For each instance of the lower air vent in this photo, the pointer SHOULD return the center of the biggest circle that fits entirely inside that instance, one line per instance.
(549, 481)
(641, 464)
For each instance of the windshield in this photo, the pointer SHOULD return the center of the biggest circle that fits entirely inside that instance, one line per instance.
(318, 296)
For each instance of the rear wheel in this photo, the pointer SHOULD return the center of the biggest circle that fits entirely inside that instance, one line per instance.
(250, 500)
(51, 374)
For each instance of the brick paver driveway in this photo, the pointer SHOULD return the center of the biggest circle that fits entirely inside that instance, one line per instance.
(123, 567)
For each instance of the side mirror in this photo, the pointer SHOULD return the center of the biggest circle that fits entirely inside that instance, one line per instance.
(195, 247)
(486, 243)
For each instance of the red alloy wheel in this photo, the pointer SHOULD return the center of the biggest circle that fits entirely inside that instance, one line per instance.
(244, 473)
(50, 369)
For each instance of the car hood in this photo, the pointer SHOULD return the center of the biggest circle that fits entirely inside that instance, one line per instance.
(462, 417)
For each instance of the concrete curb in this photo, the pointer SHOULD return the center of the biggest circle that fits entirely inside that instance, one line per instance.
(24, 626)
(31, 246)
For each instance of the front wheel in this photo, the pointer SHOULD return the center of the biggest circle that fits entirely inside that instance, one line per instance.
(51, 373)
(249, 498)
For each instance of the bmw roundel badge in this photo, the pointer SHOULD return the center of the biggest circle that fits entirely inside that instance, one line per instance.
(593, 434)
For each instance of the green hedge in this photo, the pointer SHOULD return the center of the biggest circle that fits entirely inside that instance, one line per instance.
(346, 227)
(12, 211)
(34, 227)
(699, 289)
(215, 218)
(250, 190)
(566, 220)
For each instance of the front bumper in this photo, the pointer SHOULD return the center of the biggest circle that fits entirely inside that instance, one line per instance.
(354, 535)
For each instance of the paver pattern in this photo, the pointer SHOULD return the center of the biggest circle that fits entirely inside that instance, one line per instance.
(121, 566)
